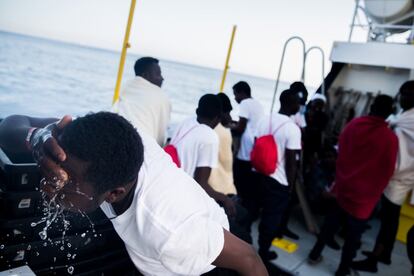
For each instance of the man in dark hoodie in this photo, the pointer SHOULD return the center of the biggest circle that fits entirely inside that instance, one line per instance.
(366, 161)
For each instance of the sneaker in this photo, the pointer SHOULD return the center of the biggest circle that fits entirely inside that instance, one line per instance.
(381, 258)
(368, 265)
(350, 272)
(267, 255)
(314, 260)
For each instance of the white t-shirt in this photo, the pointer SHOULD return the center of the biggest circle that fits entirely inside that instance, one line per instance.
(146, 106)
(172, 226)
(287, 136)
(251, 110)
(197, 145)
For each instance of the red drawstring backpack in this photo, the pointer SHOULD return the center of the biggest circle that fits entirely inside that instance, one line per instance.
(171, 148)
(264, 154)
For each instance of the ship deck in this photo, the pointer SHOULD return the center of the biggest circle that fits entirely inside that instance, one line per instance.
(296, 262)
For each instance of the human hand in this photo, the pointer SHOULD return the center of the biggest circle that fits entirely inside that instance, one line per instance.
(230, 207)
(48, 154)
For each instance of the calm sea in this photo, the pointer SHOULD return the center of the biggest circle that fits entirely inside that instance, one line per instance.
(41, 77)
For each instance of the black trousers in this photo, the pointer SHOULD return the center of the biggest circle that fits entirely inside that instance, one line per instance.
(389, 216)
(410, 247)
(354, 229)
(275, 199)
(248, 187)
(293, 201)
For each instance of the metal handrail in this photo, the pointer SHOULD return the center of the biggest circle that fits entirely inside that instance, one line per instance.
(281, 64)
(323, 65)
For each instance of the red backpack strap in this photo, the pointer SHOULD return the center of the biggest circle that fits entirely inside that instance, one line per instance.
(176, 141)
(274, 132)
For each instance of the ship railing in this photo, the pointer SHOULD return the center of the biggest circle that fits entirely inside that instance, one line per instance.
(305, 54)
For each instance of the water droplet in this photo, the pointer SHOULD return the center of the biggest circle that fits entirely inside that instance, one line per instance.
(54, 259)
(83, 235)
(51, 268)
(62, 248)
(62, 196)
(95, 235)
(37, 254)
(43, 234)
(68, 255)
(69, 245)
(2, 246)
(33, 224)
(45, 244)
(73, 257)
(29, 247)
(71, 269)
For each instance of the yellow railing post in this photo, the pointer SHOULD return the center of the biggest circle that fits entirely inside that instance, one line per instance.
(125, 46)
(226, 66)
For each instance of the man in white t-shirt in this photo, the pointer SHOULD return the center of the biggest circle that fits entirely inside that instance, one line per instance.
(197, 146)
(250, 112)
(277, 187)
(142, 101)
(299, 119)
(169, 225)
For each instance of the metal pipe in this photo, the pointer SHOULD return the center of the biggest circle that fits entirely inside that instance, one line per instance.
(323, 65)
(281, 63)
(386, 26)
(125, 46)
(226, 66)
(353, 20)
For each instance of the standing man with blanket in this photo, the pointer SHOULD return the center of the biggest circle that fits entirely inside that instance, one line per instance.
(366, 161)
(401, 183)
(143, 103)
(221, 178)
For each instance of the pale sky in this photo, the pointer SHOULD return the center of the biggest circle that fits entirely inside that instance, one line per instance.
(194, 31)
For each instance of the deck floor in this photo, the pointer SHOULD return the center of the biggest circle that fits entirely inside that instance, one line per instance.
(296, 262)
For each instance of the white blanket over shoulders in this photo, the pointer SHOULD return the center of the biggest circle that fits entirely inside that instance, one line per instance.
(403, 179)
(146, 106)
